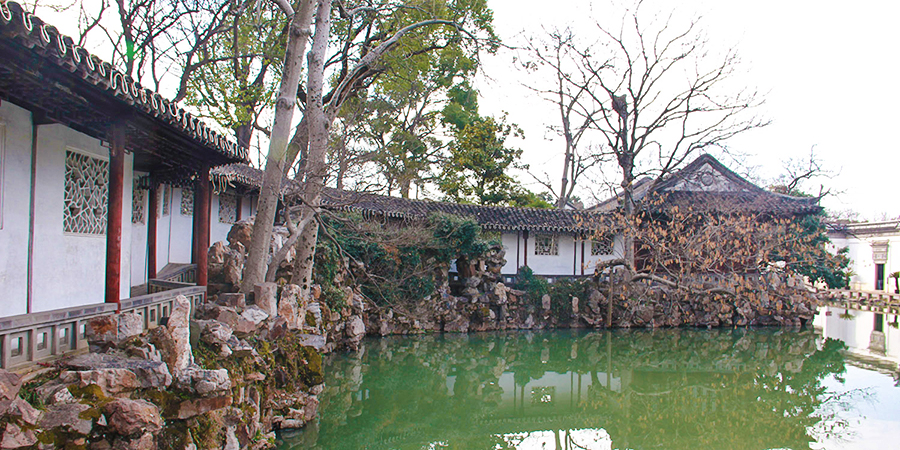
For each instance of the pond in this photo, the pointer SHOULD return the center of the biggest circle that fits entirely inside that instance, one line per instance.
(621, 389)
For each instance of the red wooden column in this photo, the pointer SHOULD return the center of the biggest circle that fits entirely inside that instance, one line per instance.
(114, 214)
(153, 209)
(201, 224)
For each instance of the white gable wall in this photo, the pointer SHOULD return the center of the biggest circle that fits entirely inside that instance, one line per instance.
(15, 186)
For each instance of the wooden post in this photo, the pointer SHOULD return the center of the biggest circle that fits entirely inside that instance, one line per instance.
(153, 208)
(201, 225)
(582, 253)
(525, 241)
(114, 215)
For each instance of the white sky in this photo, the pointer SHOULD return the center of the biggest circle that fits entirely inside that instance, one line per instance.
(829, 70)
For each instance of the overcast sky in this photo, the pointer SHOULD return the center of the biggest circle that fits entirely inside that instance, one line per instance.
(828, 68)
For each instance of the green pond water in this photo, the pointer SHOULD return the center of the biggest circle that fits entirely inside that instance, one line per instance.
(642, 389)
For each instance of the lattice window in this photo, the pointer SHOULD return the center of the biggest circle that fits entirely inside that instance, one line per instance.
(137, 202)
(602, 246)
(86, 195)
(167, 200)
(187, 201)
(546, 244)
(227, 208)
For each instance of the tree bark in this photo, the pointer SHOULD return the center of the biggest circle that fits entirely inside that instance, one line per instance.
(255, 268)
(318, 144)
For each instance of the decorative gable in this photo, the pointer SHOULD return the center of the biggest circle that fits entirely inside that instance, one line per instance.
(705, 178)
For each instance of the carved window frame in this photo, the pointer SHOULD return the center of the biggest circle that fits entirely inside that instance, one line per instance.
(137, 202)
(70, 202)
(167, 200)
(187, 200)
(546, 245)
(227, 208)
(603, 246)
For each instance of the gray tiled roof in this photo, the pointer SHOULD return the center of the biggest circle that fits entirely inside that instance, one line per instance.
(368, 204)
(46, 72)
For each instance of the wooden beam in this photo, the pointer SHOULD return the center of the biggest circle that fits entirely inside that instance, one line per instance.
(114, 215)
(152, 210)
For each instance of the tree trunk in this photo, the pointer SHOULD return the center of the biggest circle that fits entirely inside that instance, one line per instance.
(318, 144)
(255, 267)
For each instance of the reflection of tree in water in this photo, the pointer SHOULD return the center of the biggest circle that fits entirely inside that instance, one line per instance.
(741, 389)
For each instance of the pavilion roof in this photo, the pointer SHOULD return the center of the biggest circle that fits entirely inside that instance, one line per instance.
(706, 185)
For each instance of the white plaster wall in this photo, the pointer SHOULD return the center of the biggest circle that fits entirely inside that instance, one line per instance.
(163, 227)
(139, 240)
(69, 270)
(511, 242)
(15, 185)
(180, 232)
(862, 264)
(561, 264)
(218, 231)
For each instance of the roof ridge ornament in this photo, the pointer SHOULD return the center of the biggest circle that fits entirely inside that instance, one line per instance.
(5, 12)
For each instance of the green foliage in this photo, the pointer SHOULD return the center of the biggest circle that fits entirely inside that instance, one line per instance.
(391, 262)
(811, 259)
(477, 170)
(534, 287)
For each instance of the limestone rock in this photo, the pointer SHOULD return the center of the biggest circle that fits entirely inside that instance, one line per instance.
(67, 417)
(23, 411)
(54, 393)
(233, 265)
(250, 320)
(233, 300)
(16, 437)
(10, 384)
(195, 407)
(289, 306)
(574, 305)
(111, 381)
(241, 232)
(545, 302)
(175, 340)
(109, 331)
(148, 373)
(216, 253)
(214, 332)
(145, 442)
(205, 382)
(265, 297)
(132, 417)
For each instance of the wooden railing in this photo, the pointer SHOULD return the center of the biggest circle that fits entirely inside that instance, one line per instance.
(28, 339)
(878, 301)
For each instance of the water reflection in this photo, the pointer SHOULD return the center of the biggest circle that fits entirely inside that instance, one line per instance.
(734, 389)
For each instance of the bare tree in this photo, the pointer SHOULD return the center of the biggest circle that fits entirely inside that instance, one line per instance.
(557, 52)
(662, 96)
(798, 172)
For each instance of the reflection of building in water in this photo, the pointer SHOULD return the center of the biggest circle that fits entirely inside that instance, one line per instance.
(869, 335)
